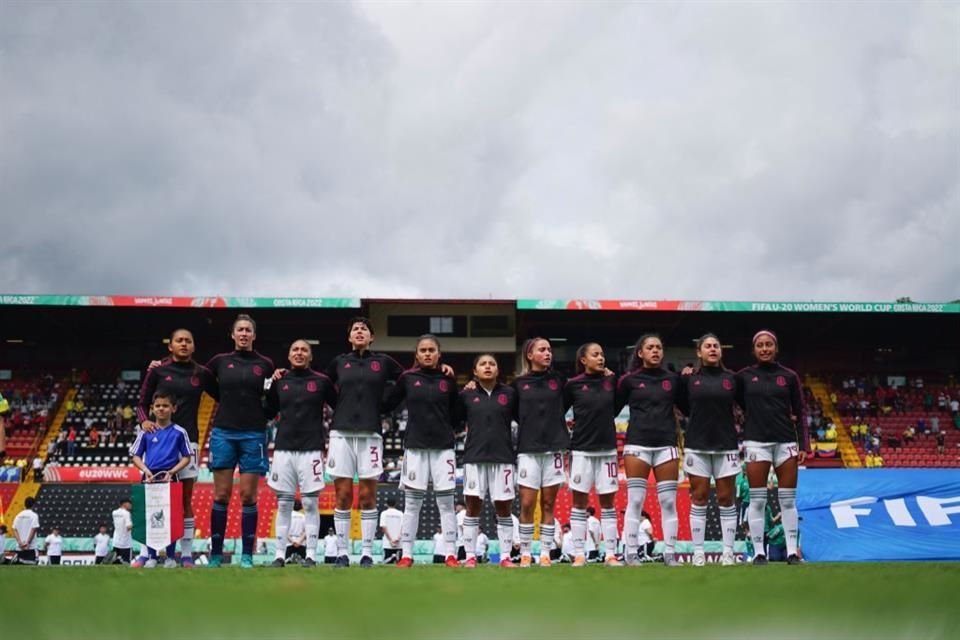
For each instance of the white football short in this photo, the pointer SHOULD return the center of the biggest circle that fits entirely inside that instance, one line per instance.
(497, 478)
(653, 456)
(775, 452)
(590, 469)
(296, 469)
(715, 464)
(192, 470)
(538, 470)
(420, 466)
(358, 454)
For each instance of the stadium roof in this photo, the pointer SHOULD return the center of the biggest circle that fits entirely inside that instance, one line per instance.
(530, 304)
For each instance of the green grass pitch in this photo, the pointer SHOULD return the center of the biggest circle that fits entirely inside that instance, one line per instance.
(893, 600)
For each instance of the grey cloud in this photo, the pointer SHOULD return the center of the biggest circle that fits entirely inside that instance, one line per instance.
(692, 150)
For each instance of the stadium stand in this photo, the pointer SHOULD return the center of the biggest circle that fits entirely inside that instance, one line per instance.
(78, 509)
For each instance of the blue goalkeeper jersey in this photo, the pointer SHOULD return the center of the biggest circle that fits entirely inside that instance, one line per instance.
(162, 449)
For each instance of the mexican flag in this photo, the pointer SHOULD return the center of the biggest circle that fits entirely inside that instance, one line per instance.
(157, 513)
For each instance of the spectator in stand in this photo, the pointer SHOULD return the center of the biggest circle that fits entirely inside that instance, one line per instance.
(37, 468)
(921, 427)
(935, 425)
(941, 442)
(908, 434)
(52, 450)
(831, 432)
(94, 437)
(955, 409)
(942, 401)
(128, 415)
(71, 441)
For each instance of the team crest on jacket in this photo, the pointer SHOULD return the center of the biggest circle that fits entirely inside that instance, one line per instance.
(194, 381)
(312, 386)
(286, 387)
(375, 365)
(728, 384)
(781, 381)
(502, 399)
(607, 384)
(257, 370)
(666, 385)
(444, 387)
(554, 385)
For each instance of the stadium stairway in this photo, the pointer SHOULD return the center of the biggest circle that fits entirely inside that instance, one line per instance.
(28, 488)
(848, 452)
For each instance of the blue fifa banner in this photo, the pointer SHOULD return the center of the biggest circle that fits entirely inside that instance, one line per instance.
(879, 514)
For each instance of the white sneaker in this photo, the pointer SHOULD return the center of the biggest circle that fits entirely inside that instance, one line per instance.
(726, 560)
(150, 564)
(169, 563)
(699, 560)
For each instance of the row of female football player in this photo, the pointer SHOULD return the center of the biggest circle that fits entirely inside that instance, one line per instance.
(362, 385)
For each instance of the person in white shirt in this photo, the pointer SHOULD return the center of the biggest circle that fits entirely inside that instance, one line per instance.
(296, 534)
(3, 544)
(37, 469)
(330, 547)
(53, 544)
(592, 543)
(101, 545)
(483, 542)
(25, 528)
(513, 552)
(122, 528)
(461, 509)
(391, 520)
(439, 557)
(645, 540)
(567, 552)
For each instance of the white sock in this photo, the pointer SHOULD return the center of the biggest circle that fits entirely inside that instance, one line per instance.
(311, 524)
(186, 542)
(667, 493)
(505, 535)
(698, 525)
(471, 525)
(368, 529)
(448, 521)
(547, 532)
(341, 524)
(636, 494)
(412, 502)
(789, 517)
(608, 525)
(578, 529)
(728, 526)
(526, 538)
(755, 516)
(284, 511)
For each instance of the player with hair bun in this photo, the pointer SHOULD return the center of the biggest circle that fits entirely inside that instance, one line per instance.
(428, 456)
(186, 380)
(489, 458)
(707, 396)
(651, 393)
(772, 399)
(593, 464)
(298, 395)
(239, 436)
(542, 442)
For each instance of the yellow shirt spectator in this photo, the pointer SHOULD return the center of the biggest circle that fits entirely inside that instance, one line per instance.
(128, 413)
(831, 434)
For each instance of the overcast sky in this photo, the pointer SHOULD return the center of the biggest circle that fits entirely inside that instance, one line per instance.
(691, 150)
